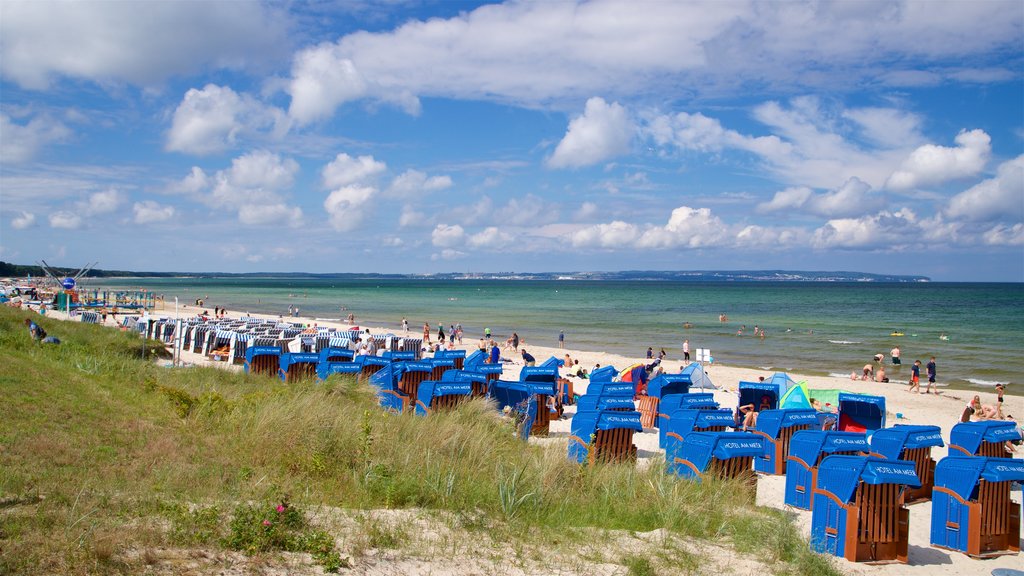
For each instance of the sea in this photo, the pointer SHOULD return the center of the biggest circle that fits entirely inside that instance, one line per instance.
(974, 330)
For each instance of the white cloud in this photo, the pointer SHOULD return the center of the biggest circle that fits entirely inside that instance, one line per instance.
(788, 199)
(491, 238)
(885, 230)
(21, 142)
(148, 212)
(448, 254)
(886, 127)
(602, 132)
(853, 198)
(103, 202)
(616, 234)
(413, 183)
(346, 207)
(1001, 235)
(531, 210)
(686, 227)
(345, 170)
(214, 118)
(447, 236)
(931, 164)
(999, 198)
(587, 211)
(23, 220)
(536, 53)
(65, 219)
(411, 217)
(142, 43)
(260, 214)
(195, 183)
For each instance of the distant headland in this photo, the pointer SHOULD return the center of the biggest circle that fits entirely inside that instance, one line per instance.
(19, 270)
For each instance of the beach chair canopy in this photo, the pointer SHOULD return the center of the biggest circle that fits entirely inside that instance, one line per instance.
(961, 474)
(839, 475)
(552, 362)
(444, 362)
(338, 354)
(289, 358)
(698, 400)
(686, 420)
(538, 374)
(253, 351)
(668, 384)
(476, 358)
(970, 435)
(591, 401)
(450, 354)
(624, 389)
(890, 442)
(325, 369)
(861, 412)
(751, 393)
(603, 374)
(425, 365)
(807, 445)
(399, 355)
(700, 447)
(771, 422)
(388, 376)
(464, 376)
(699, 379)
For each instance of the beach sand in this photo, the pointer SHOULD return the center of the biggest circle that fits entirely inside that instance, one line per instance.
(943, 410)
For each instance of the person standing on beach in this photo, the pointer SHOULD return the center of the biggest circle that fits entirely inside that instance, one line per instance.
(440, 332)
(915, 377)
(487, 333)
(405, 324)
(894, 354)
(426, 332)
(515, 341)
(686, 350)
(561, 338)
(930, 369)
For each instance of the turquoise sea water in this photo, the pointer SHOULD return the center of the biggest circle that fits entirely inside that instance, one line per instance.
(814, 328)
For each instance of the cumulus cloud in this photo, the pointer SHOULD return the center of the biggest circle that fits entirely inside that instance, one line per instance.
(1002, 235)
(103, 202)
(214, 118)
(931, 164)
(412, 183)
(345, 170)
(448, 254)
(23, 220)
(346, 207)
(148, 212)
(142, 43)
(602, 132)
(65, 219)
(22, 142)
(447, 236)
(535, 53)
(999, 198)
(853, 198)
(253, 187)
(410, 216)
(491, 238)
(884, 230)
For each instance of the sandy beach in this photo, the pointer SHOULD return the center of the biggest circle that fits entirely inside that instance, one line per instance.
(943, 410)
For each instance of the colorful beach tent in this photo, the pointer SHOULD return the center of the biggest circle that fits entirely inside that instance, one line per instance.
(698, 377)
(827, 396)
(796, 397)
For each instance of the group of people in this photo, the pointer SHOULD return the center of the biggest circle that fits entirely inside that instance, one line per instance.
(876, 371)
(454, 332)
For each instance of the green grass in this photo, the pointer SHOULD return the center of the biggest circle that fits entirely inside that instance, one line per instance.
(93, 440)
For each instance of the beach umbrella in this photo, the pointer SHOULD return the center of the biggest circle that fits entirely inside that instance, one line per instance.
(796, 397)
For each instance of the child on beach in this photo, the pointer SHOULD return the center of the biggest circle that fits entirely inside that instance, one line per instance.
(915, 377)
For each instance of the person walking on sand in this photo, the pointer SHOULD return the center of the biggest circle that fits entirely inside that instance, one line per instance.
(915, 377)
(686, 350)
(561, 338)
(930, 369)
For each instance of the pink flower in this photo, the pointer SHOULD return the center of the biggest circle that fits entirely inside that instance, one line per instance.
(266, 522)
(280, 508)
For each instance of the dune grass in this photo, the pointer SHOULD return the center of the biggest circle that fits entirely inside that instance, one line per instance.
(103, 450)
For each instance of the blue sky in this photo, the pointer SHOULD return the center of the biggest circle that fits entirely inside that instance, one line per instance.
(395, 136)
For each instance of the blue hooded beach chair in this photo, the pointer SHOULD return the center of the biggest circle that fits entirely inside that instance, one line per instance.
(594, 402)
(604, 374)
(858, 512)
(807, 449)
(985, 438)
(264, 360)
(603, 436)
(860, 413)
(458, 357)
(386, 382)
(477, 380)
(477, 362)
(971, 507)
(527, 399)
(725, 455)
(437, 395)
(672, 402)
(686, 420)
(297, 366)
(778, 427)
(913, 443)
(336, 354)
(371, 364)
(412, 375)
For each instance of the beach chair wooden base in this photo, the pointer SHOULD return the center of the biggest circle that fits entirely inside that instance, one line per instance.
(994, 528)
(648, 408)
(924, 465)
(779, 448)
(300, 371)
(542, 423)
(614, 445)
(565, 391)
(409, 385)
(446, 402)
(878, 524)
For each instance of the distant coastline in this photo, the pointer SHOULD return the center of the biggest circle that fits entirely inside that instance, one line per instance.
(19, 270)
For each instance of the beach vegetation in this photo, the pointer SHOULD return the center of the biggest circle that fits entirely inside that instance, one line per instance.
(110, 461)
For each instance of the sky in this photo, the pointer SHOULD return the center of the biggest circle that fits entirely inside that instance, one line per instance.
(445, 136)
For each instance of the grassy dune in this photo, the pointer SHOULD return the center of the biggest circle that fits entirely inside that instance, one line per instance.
(108, 461)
